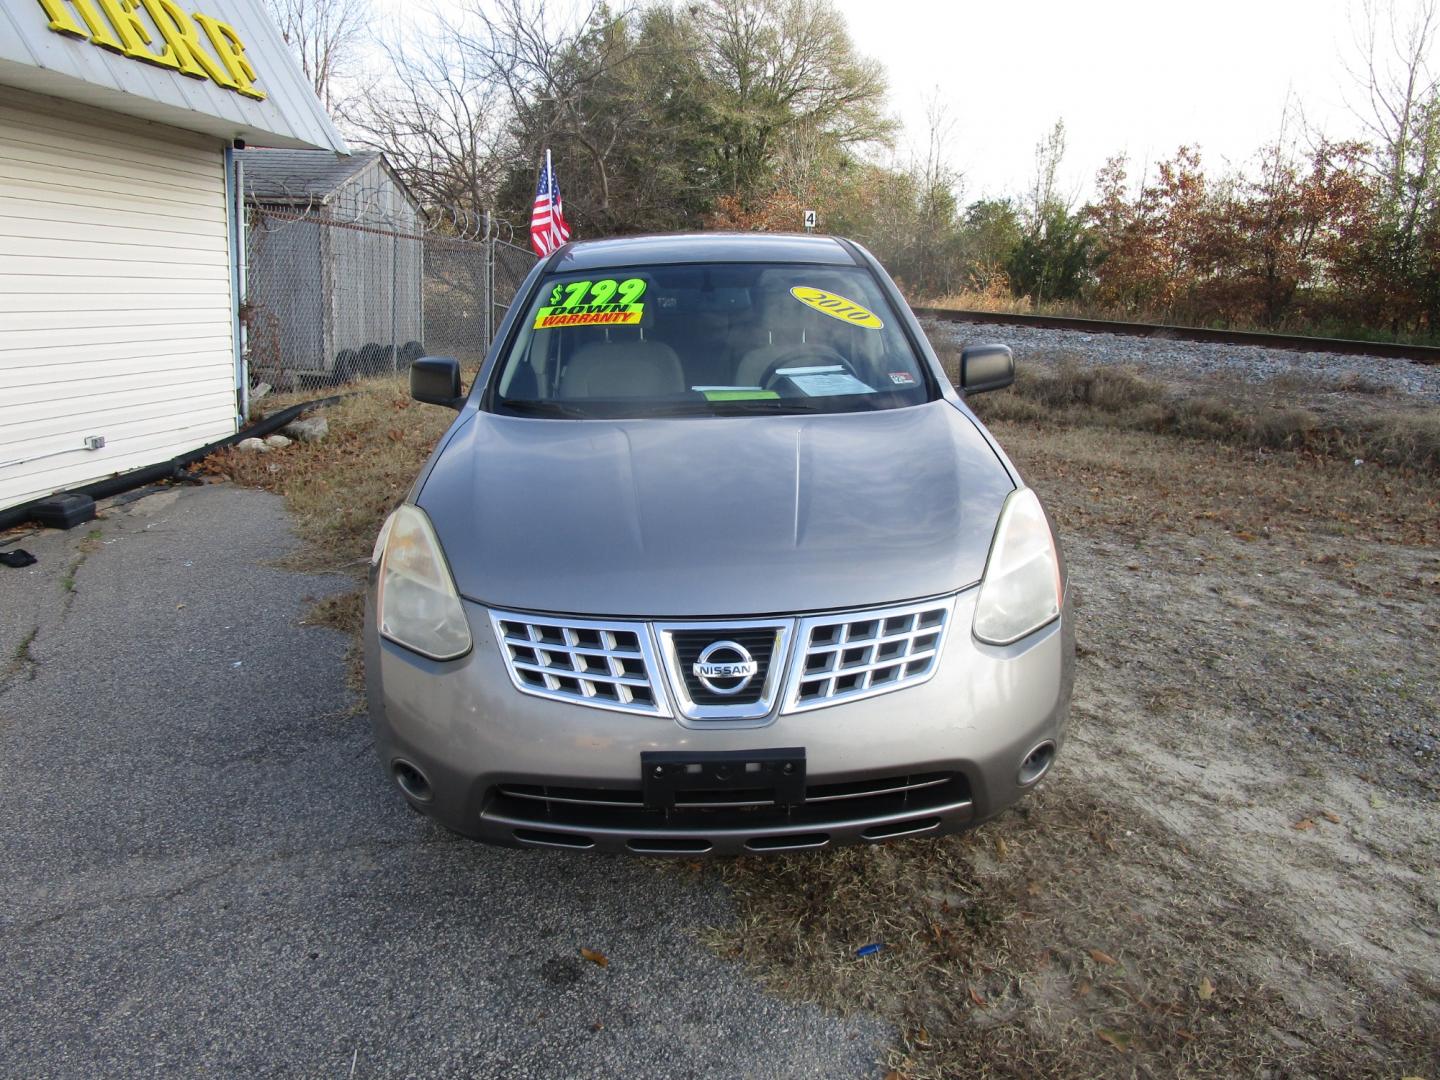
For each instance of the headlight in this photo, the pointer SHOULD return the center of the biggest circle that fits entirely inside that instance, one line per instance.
(1021, 589)
(416, 603)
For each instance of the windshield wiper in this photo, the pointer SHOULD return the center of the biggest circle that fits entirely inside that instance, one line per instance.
(528, 407)
(772, 405)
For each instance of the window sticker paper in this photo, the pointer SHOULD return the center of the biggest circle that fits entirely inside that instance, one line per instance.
(593, 303)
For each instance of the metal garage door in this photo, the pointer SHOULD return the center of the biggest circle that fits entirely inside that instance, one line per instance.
(115, 312)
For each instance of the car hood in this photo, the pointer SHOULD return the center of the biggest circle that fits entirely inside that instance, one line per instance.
(715, 516)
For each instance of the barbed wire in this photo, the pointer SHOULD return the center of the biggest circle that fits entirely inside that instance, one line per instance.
(383, 206)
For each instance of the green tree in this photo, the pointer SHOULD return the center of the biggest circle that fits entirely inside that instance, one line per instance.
(778, 68)
(989, 236)
(1052, 260)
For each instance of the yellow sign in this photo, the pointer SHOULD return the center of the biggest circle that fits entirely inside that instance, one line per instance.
(600, 315)
(837, 307)
(117, 25)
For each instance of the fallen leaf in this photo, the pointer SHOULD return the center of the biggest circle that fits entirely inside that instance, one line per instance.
(1207, 989)
(1303, 825)
(1002, 849)
(1118, 1039)
(976, 998)
(1189, 1036)
(893, 1075)
(1331, 817)
(1102, 958)
(595, 957)
(1033, 888)
(1082, 989)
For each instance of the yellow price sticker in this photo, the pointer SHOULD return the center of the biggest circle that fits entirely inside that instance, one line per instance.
(837, 307)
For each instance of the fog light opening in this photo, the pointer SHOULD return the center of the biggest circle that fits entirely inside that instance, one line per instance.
(1036, 763)
(412, 781)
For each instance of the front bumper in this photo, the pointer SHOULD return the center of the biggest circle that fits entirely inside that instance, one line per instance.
(508, 768)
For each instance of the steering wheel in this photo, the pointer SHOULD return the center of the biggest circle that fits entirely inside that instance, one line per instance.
(812, 355)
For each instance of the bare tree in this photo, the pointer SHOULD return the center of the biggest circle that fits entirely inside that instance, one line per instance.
(1401, 87)
(550, 65)
(326, 37)
(1045, 189)
(440, 120)
(1401, 114)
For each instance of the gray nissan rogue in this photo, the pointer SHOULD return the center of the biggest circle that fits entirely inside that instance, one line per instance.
(714, 558)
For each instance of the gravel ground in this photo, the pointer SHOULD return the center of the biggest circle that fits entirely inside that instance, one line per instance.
(205, 872)
(1192, 360)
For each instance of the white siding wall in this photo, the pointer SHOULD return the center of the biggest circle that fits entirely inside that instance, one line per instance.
(115, 309)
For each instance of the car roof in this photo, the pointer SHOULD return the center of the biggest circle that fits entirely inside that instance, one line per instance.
(701, 248)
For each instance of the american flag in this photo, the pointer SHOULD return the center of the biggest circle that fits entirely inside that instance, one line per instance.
(547, 221)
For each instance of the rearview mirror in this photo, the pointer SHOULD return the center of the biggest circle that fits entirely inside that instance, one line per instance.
(986, 367)
(435, 380)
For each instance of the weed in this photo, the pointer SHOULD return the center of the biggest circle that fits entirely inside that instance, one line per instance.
(21, 654)
(21, 657)
(67, 582)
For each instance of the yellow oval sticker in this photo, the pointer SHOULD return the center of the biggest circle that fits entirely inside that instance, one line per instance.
(837, 307)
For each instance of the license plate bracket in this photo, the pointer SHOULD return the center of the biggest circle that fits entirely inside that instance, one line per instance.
(665, 773)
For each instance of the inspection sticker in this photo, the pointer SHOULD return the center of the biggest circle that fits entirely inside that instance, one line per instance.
(837, 307)
(902, 378)
(593, 303)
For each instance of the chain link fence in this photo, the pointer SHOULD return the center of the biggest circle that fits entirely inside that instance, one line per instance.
(330, 300)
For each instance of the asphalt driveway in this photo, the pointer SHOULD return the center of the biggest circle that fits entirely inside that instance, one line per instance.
(202, 870)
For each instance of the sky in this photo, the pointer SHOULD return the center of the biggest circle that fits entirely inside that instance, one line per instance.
(1140, 77)
(1136, 77)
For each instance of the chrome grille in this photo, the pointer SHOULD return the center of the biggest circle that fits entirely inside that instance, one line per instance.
(857, 655)
(608, 665)
(768, 645)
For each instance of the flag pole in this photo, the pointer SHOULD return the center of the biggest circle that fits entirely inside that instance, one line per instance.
(548, 171)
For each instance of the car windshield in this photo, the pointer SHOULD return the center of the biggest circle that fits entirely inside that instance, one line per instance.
(715, 339)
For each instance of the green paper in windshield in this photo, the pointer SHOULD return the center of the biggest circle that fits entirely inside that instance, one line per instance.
(738, 395)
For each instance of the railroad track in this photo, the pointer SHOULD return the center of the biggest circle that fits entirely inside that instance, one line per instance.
(1420, 354)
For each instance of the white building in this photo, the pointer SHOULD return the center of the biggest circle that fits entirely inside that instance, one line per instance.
(120, 241)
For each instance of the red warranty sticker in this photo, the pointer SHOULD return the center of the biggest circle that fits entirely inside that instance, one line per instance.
(901, 378)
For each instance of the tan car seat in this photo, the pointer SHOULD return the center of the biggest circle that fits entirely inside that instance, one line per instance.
(775, 331)
(623, 367)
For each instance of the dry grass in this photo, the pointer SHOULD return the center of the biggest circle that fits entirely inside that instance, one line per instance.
(1073, 394)
(340, 489)
(1081, 935)
(1069, 939)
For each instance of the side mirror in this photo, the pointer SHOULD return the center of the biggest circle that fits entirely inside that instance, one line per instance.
(986, 367)
(435, 380)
